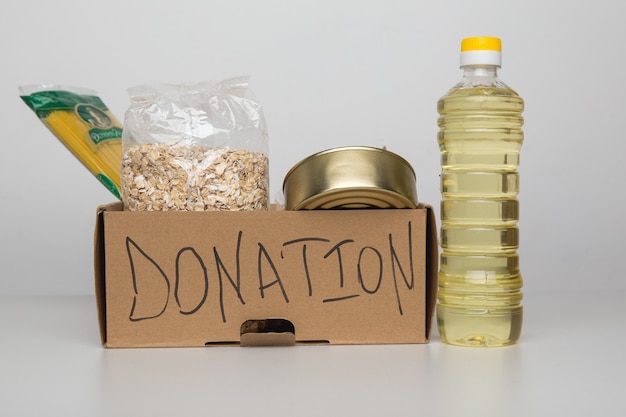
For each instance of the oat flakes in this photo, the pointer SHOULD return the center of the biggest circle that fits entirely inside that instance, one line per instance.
(158, 176)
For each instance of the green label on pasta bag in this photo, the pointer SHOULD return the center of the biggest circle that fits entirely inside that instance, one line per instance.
(102, 127)
(106, 181)
(93, 116)
(50, 100)
(89, 108)
(99, 135)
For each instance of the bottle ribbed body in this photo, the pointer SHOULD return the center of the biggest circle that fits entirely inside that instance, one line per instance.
(480, 138)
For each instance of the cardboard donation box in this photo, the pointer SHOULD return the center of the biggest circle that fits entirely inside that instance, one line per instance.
(166, 279)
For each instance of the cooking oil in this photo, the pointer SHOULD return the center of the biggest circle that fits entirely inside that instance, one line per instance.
(480, 137)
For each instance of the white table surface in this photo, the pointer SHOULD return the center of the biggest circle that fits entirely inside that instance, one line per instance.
(571, 361)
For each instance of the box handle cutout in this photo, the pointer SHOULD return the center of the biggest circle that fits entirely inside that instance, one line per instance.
(268, 332)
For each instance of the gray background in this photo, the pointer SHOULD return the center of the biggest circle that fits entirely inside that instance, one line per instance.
(328, 73)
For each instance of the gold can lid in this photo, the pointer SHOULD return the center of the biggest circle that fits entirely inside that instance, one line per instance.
(351, 177)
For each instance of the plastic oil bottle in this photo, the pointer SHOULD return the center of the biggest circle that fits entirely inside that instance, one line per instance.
(480, 136)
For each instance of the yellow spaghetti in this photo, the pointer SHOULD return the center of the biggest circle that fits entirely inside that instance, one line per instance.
(81, 121)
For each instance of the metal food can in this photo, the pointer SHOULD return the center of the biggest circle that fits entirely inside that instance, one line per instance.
(351, 177)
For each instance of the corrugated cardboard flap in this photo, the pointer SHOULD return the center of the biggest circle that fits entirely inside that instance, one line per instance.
(432, 266)
(99, 266)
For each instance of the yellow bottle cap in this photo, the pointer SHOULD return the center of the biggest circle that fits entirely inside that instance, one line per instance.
(482, 50)
(483, 43)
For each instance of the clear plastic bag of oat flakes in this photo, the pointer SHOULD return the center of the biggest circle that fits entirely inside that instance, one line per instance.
(195, 147)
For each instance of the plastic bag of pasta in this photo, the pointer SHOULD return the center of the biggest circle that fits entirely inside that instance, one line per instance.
(82, 122)
(195, 147)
